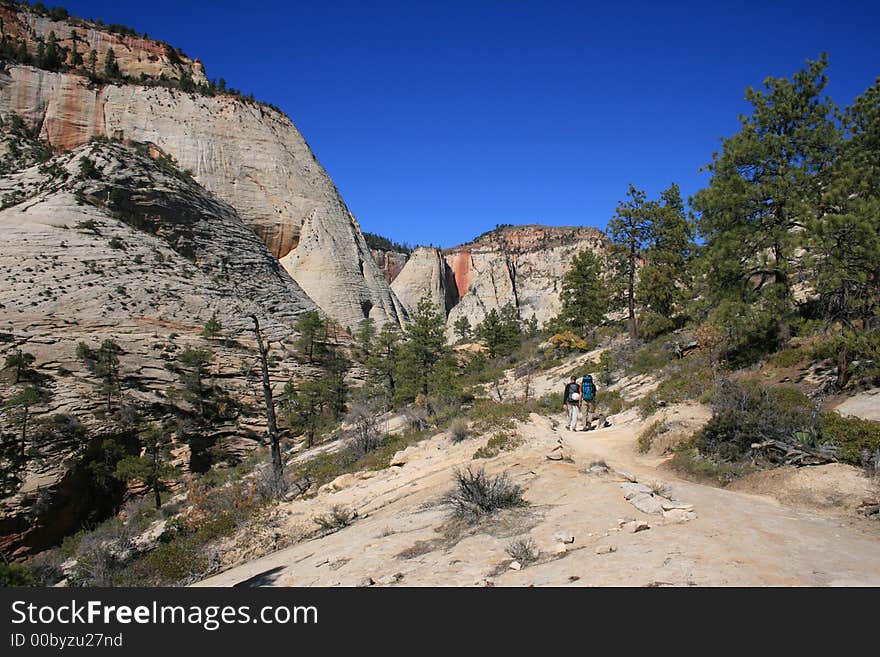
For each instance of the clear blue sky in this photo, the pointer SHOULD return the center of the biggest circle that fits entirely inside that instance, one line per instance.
(439, 120)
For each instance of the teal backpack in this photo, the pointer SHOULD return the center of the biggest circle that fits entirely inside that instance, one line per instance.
(588, 388)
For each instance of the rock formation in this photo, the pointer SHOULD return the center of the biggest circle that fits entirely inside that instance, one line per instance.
(131, 249)
(246, 153)
(135, 55)
(426, 272)
(522, 266)
(390, 263)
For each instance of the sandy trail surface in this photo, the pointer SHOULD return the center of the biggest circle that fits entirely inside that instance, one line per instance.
(402, 536)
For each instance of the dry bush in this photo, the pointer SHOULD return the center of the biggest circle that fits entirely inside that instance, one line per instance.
(523, 550)
(459, 430)
(477, 494)
(338, 518)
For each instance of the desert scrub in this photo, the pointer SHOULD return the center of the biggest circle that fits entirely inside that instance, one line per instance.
(790, 357)
(459, 430)
(500, 442)
(611, 401)
(15, 574)
(650, 359)
(494, 416)
(647, 406)
(477, 494)
(687, 460)
(857, 440)
(746, 413)
(647, 437)
(525, 551)
(338, 518)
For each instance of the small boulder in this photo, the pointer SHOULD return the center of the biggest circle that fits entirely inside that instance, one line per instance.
(679, 515)
(605, 549)
(564, 537)
(669, 505)
(648, 504)
(631, 490)
(515, 565)
(640, 526)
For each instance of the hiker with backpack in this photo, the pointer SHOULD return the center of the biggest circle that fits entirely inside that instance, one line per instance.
(571, 400)
(588, 400)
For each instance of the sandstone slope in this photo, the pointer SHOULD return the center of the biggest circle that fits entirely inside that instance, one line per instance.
(136, 252)
(246, 153)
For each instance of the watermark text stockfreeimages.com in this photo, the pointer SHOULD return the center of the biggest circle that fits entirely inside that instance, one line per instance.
(210, 617)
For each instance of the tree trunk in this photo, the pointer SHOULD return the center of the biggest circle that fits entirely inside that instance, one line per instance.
(633, 328)
(158, 497)
(277, 465)
(24, 424)
(843, 366)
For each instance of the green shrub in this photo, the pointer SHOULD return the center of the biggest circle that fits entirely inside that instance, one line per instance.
(500, 442)
(15, 574)
(746, 413)
(788, 357)
(649, 359)
(857, 440)
(611, 401)
(647, 406)
(493, 416)
(647, 437)
(687, 459)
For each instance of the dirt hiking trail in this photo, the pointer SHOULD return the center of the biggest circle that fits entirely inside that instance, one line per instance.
(578, 516)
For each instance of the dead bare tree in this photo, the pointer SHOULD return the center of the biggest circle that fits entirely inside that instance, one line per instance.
(277, 465)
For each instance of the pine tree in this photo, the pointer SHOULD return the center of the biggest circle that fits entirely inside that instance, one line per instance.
(20, 405)
(382, 364)
(462, 328)
(423, 349)
(312, 340)
(500, 331)
(845, 241)
(153, 466)
(212, 327)
(309, 406)
(765, 189)
(105, 364)
(111, 66)
(365, 339)
(195, 364)
(628, 230)
(21, 361)
(665, 279)
(585, 295)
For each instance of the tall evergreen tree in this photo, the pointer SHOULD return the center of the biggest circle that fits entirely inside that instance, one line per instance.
(500, 331)
(585, 296)
(153, 465)
(365, 339)
(765, 189)
(664, 280)
(312, 340)
(628, 230)
(382, 364)
(424, 347)
(194, 363)
(845, 241)
(20, 404)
